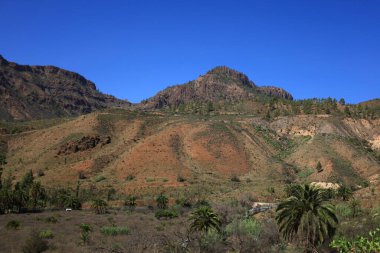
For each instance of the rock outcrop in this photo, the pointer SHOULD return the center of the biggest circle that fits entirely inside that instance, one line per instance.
(85, 143)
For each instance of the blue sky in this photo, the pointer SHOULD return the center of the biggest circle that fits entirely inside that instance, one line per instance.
(134, 48)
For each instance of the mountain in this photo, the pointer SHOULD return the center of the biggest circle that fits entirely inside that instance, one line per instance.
(145, 153)
(35, 92)
(220, 83)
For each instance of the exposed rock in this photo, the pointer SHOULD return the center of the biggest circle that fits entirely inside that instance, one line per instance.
(35, 92)
(220, 83)
(85, 143)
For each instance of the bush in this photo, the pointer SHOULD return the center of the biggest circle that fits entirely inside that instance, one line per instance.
(114, 230)
(13, 224)
(81, 175)
(180, 178)
(129, 178)
(99, 178)
(162, 201)
(235, 178)
(41, 173)
(130, 201)
(369, 244)
(168, 214)
(46, 234)
(99, 206)
(51, 219)
(85, 232)
(35, 244)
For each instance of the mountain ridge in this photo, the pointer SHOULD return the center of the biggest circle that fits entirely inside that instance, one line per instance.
(35, 92)
(219, 83)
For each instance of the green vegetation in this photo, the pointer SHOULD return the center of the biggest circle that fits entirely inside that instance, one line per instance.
(13, 224)
(306, 214)
(99, 206)
(46, 234)
(162, 201)
(85, 230)
(164, 213)
(361, 244)
(113, 231)
(99, 178)
(203, 219)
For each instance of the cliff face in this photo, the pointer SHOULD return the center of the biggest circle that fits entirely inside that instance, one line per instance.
(34, 92)
(220, 83)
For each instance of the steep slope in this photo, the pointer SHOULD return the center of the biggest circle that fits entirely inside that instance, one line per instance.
(220, 83)
(35, 92)
(145, 153)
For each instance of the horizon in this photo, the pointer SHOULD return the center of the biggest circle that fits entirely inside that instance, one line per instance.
(312, 50)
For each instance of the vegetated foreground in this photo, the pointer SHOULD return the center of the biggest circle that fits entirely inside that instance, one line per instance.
(169, 165)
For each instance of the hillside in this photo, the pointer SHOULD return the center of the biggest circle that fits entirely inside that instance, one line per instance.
(145, 153)
(36, 92)
(218, 84)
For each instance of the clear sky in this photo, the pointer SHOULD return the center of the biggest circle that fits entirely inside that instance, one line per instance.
(134, 48)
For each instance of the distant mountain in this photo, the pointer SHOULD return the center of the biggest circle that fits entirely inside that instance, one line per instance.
(220, 83)
(35, 92)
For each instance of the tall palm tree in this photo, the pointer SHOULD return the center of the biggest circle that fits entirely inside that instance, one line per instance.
(203, 219)
(308, 216)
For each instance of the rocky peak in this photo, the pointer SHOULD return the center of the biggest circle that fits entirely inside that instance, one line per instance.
(224, 74)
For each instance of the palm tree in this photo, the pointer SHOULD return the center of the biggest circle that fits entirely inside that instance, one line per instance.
(306, 214)
(100, 206)
(203, 219)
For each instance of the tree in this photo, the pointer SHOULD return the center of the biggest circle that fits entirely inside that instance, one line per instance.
(37, 195)
(203, 219)
(100, 206)
(162, 201)
(308, 216)
(130, 201)
(344, 192)
(342, 101)
(27, 181)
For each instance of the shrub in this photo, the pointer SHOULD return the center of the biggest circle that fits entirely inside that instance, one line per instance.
(73, 203)
(100, 178)
(162, 201)
(184, 202)
(248, 227)
(99, 206)
(235, 178)
(85, 232)
(35, 244)
(129, 178)
(13, 224)
(46, 234)
(180, 178)
(319, 167)
(114, 230)
(130, 201)
(41, 173)
(163, 213)
(51, 219)
(303, 174)
(369, 244)
(81, 175)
